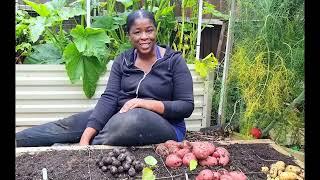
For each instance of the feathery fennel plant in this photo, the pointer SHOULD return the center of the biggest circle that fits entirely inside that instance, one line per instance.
(266, 68)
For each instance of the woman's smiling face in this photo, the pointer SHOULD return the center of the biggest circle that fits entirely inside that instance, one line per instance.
(143, 35)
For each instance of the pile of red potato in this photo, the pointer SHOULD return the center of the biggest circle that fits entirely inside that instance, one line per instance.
(208, 174)
(205, 153)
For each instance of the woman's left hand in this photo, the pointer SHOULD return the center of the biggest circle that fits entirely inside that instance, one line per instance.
(133, 103)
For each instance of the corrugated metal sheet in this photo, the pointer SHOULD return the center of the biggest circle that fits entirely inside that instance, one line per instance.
(44, 93)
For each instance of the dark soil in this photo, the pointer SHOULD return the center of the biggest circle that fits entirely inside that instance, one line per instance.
(212, 133)
(81, 164)
(59, 164)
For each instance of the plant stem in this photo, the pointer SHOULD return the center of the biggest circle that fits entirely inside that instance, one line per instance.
(82, 20)
(54, 37)
(82, 16)
(158, 27)
(115, 36)
(146, 5)
(162, 3)
(61, 30)
(297, 100)
(292, 105)
(152, 5)
(111, 9)
(122, 34)
(75, 20)
(266, 130)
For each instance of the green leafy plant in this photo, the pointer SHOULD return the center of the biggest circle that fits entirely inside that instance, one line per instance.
(193, 165)
(85, 57)
(44, 29)
(127, 3)
(50, 19)
(83, 50)
(45, 54)
(186, 31)
(206, 65)
(150, 160)
(211, 10)
(165, 18)
(114, 28)
(147, 172)
(23, 40)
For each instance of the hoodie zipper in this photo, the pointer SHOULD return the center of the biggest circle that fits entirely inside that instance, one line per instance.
(144, 76)
(137, 90)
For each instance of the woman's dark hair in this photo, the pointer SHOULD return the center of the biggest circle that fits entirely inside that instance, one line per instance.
(139, 14)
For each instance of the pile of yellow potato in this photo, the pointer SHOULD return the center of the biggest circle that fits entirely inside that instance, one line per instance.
(281, 171)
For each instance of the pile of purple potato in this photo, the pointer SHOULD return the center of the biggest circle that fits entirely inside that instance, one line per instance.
(120, 163)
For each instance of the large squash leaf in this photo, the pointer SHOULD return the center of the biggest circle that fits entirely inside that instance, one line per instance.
(92, 69)
(105, 22)
(36, 28)
(121, 18)
(59, 11)
(79, 66)
(126, 3)
(41, 9)
(44, 54)
(73, 61)
(68, 12)
(90, 41)
(54, 5)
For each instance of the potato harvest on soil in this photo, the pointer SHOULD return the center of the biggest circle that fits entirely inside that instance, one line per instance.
(208, 174)
(121, 163)
(181, 153)
(281, 171)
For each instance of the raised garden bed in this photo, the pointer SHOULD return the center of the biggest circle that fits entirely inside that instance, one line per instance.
(79, 162)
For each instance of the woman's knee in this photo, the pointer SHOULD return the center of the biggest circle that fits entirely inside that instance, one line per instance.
(137, 125)
(138, 118)
(132, 117)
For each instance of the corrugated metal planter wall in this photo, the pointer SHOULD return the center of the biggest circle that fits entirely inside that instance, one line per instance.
(44, 93)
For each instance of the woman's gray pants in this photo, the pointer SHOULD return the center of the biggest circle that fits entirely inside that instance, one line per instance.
(133, 128)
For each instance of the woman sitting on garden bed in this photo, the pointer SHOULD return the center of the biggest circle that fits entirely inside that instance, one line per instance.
(148, 95)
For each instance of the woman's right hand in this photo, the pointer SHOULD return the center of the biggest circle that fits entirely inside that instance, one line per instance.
(87, 135)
